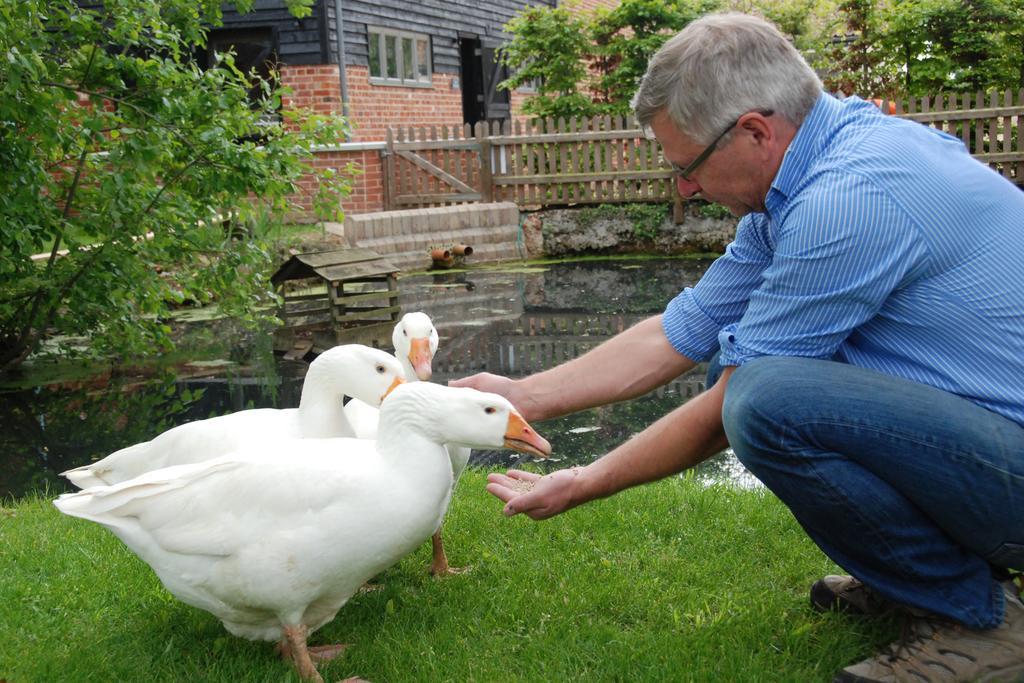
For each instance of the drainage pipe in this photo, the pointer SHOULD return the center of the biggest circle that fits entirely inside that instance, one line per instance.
(339, 25)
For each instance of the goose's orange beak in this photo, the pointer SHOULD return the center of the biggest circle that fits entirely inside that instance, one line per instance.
(519, 436)
(420, 358)
(395, 383)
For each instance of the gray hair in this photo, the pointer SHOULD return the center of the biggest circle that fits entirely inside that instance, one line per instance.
(718, 68)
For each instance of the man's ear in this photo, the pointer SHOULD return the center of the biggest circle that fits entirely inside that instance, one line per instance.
(757, 124)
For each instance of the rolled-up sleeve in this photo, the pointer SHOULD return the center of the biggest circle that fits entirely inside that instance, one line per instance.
(693, 319)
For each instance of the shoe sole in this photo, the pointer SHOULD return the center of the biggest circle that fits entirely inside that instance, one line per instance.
(824, 600)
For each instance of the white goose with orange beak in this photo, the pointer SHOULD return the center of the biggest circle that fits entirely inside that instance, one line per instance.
(274, 546)
(415, 342)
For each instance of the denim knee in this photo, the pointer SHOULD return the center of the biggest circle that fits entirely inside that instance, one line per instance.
(757, 391)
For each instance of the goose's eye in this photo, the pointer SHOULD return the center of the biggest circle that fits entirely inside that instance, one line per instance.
(490, 410)
(381, 369)
(404, 333)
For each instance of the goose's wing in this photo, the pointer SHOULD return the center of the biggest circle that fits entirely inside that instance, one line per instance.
(220, 506)
(188, 443)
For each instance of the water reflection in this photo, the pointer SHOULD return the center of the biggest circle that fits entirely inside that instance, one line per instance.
(507, 322)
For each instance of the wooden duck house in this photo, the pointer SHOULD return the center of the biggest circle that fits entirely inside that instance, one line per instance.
(352, 293)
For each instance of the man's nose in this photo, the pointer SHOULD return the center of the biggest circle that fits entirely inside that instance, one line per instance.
(687, 188)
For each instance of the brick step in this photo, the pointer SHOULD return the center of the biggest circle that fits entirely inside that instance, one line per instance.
(474, 237)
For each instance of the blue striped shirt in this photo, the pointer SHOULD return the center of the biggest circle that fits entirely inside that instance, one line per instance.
(883, 245)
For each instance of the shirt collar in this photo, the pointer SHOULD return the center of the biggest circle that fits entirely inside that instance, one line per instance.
(805, 146)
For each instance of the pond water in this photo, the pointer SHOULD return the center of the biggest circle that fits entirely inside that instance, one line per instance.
(510, 322)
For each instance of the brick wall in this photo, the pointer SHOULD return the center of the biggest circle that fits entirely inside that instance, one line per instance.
(372, 108)
(367, 193)
(315, 87)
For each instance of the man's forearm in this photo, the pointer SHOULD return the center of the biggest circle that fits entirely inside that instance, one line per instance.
(626, 366)
(685, 437)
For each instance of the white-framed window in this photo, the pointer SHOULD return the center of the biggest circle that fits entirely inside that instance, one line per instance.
(398, 57)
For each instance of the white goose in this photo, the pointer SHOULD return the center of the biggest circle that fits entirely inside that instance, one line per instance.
(415, 342)
(274, 546)
(350, 369)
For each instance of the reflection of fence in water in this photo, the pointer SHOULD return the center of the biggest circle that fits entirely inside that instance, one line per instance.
(538, 341)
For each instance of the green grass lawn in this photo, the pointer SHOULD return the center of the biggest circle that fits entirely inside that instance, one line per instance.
(667, 582)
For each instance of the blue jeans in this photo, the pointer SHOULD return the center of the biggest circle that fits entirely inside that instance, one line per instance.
(915, 491)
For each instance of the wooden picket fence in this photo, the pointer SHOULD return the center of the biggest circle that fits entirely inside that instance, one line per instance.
(533, 163)
(988, 123)
(608, 159)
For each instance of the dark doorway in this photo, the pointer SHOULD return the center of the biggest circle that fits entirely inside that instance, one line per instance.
(482, 100)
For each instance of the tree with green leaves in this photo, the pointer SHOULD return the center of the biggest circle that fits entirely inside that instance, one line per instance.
(923, 47)
(122, 159)
(586, 65)
(855, 58)
(969, 40)
(549, 50)
(625, 38)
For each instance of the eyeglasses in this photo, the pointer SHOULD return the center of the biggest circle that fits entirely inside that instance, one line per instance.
(684, 173)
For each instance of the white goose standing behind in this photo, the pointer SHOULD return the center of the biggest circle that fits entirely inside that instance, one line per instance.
(275, 546)
(351, 369)
(415, 342)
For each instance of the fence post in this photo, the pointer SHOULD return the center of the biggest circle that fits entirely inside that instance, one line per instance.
(481, 133)
(678, 204)
(388, 170)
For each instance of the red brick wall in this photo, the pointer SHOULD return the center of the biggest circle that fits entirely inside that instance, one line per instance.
(315, 87)
(367, 184)
(372, 108)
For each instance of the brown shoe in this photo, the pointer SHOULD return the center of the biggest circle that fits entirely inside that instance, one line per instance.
(937, 651)
(847, 594)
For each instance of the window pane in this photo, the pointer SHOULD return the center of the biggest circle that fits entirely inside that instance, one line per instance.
(391, 56)
(375, 55)
(407, 71)
(423, 59)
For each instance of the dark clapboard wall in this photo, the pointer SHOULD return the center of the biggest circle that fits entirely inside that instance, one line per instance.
(313, 40)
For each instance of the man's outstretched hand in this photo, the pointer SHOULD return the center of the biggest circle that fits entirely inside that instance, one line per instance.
(501, 385)
(538, 497)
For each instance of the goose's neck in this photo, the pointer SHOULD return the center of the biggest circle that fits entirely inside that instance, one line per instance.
(405, 436)
(415, 454)
(410, 373)
(321, 410)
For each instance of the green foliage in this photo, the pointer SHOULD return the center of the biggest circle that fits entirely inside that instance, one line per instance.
(854, 62)
(713, 210)
(795, 18)
(647, 219)
(548, 48)
(118, 149)
(922, 47)
(967, 45)
(589, 65)
(588, 215)
(625, 38)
